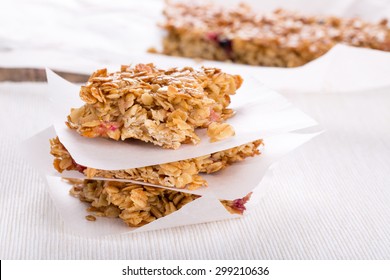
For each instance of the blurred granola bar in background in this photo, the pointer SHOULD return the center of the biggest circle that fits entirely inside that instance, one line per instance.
(281, 38)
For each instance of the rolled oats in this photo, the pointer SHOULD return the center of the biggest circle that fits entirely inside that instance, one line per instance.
(90, 218)
(219, 131)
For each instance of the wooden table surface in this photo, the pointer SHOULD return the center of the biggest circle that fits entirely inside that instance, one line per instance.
(36, 75)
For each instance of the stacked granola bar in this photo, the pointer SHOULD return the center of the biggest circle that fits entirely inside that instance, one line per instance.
(180, 174)
(164, 108)
(281, 38)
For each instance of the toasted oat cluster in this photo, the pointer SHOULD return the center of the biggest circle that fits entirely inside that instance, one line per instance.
(180, 174)
(136, 205)
(163, 107)
(280, 38)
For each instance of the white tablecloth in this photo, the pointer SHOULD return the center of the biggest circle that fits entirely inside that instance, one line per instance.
(327, 200)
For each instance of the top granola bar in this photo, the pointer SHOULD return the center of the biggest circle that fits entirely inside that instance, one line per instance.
(154, 105)
(280, 38)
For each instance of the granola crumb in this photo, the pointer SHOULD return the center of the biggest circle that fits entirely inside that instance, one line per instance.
(152, 50)
(219, 131)
(236, 206)
(90, 218)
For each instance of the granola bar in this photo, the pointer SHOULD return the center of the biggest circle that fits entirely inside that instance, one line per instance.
(136, 205)
(163, 107)
(281, 38)
(180, 174)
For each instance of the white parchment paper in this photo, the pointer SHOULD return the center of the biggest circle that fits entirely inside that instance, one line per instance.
(342, 69)
(257, 107)
(260, 112)
(233, 182)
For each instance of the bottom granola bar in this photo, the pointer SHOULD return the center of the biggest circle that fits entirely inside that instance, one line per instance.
(180, 174)
(136, 205)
